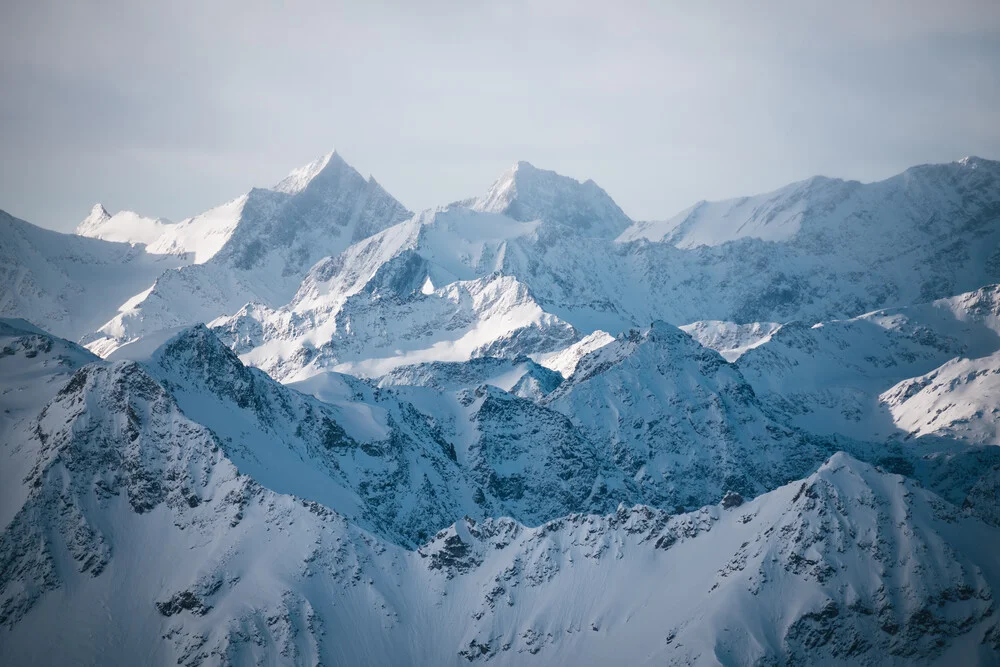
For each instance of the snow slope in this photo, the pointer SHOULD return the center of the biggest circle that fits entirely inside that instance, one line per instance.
(960, 399)
(775, 216)
(123, 227)
(519, 376)
(827, 378)
(729, 339)
(564, 361)
(68, 284)
(370, 332)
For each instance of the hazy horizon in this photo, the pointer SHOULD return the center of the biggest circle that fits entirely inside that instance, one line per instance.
(171, 110)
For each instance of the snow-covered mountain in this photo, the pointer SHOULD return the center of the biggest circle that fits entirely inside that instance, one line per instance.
(377, 329)
(929, 233)
(256, 248)
(526, 193)
(849, 564)
(828, 377)
(69, 284)
(123, 227)
(323, 430)
(729, 339)
(680, 420)
(400, 464)
(819, 204)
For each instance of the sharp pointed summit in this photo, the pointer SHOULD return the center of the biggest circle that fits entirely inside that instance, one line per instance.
(298, 179)
(98, 212)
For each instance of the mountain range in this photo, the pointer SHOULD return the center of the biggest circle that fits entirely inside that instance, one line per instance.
(310, 426)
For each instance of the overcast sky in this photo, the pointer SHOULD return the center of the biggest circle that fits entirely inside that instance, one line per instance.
(169, 108)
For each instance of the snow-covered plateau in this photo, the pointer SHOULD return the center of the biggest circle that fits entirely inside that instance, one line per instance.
(311, 427)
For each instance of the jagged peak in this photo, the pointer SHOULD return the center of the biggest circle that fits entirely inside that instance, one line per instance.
(658, 333)
(300, 178)
(657, 343)
(526, 193)
(97, 217)
(196, 337)
(98, 212)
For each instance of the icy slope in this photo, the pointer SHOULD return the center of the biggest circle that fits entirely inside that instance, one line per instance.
(255, 248)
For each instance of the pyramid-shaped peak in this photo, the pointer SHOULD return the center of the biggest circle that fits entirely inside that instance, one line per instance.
(195, 337)
(526, 193)
(94, 222)
(300, 178)
(98, 212)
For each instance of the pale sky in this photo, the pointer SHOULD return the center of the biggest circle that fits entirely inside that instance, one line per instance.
(170, 108)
